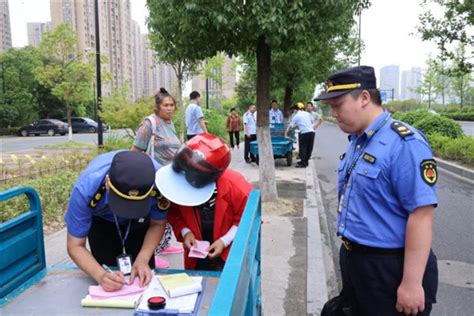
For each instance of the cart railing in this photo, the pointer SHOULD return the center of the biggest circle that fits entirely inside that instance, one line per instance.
(21, 243)
(238, 292)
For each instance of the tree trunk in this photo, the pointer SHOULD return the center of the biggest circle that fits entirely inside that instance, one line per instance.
(462, 92)
(267, 165)
(181, 106)
(287, 100)
(69, 122)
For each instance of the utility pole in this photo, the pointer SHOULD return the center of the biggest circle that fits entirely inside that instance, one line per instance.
(207, 88)
(98, 76)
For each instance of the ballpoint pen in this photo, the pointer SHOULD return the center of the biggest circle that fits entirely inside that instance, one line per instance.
(106, 268)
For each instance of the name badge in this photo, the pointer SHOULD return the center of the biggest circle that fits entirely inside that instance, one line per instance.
(124, 263)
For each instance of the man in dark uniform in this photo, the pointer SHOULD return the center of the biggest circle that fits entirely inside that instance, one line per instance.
(387, 197)
(112, 205)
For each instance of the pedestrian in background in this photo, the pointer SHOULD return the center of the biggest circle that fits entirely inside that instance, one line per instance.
(387, 198)
(316, 119)
(276, 116)
(302, 121)
(195, 123)
(156, 135)
(234, 126)
(250, 126)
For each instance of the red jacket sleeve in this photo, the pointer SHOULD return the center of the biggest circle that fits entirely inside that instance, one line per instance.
(240, 191)
(175, 219)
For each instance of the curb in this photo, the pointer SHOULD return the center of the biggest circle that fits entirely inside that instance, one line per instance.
(455, 169)
(316, 280)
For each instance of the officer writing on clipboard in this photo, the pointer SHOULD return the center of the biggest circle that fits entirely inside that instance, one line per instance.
(387, 197)
(115, 207)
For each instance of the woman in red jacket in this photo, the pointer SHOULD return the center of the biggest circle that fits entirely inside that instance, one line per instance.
(209, 199)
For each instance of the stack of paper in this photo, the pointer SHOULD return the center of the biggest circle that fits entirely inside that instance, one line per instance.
(179, 284)
(182, 305)
(199, 250)
(127, 297)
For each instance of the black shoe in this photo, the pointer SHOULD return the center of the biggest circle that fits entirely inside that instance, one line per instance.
(300, 166)
(248, 161)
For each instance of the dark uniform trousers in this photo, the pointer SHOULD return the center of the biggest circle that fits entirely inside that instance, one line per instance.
(306, 143)
(106, 245)
(370, 282)
(247, 147)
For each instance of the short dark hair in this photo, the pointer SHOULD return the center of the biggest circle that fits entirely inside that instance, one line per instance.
(374, 95)
(310, 103)
(232, 109)
(161, 95)
(274, 101)
(194, 95)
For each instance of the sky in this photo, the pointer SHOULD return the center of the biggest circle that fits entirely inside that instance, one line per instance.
(386, 28)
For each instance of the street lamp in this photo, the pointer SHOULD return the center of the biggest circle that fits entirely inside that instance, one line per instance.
(98, 75)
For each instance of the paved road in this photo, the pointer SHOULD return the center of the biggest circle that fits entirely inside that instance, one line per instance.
(467, 127)
(19, 144)
(453, 226)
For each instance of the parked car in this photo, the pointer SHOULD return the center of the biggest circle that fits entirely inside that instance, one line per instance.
(84, 124)
(50, 127)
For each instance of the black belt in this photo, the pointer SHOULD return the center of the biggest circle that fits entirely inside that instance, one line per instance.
(352, 246)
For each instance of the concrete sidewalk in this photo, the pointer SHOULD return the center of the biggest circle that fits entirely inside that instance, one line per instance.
(293, 251)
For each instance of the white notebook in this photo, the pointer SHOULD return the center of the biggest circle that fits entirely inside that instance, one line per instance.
(183, 304)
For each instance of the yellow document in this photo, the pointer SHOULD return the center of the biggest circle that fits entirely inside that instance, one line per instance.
(179, 284)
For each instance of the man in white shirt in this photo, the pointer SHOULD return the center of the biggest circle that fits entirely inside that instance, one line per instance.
(316, 119)
(195, 123)
(250, 127)
(302, 120)
(276, 116)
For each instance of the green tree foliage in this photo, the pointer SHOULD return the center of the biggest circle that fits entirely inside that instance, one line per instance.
(69, 79)
(451, 30)
(19, 89)
(432, 84)
(198, 30)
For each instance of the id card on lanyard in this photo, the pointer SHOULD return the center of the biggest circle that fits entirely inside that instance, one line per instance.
(354, 162)
(124, 261)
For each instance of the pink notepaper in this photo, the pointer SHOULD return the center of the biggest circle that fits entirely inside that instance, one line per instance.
(199, 250)
(96, 291)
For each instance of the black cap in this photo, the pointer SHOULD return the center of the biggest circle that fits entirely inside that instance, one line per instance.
(344, 81)
(132, 176)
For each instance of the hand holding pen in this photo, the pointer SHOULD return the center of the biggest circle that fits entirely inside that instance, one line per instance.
(111, 281)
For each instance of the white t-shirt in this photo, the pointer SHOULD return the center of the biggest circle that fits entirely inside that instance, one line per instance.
(314, 117)
(302, 120)
(250, 121)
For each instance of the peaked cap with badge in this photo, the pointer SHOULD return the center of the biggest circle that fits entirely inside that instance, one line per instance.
(347, 80)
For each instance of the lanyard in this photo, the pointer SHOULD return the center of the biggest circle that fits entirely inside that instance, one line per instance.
(359, 154)
(122, 239)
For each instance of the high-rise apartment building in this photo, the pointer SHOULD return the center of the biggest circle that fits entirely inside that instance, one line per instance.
(411, 80)
(36, 31)
(115, 34)
(229, 78)
(5, 28)
(390, 81)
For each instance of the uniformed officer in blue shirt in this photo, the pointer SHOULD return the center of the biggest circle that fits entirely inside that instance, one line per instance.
(115, 206)
(387, 197)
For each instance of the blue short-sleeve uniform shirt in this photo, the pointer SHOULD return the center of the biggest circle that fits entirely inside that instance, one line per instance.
(79, 214)
(386, 185)
(193, 114)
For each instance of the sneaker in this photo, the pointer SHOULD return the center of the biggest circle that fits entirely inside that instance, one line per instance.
(172, 250)
(161, 263)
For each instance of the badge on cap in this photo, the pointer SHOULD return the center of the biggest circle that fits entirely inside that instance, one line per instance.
(429, 173)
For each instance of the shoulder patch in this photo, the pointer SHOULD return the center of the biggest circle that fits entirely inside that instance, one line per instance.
(369, 158)
(342, 156)
(429, 173)
(401, 129)
(97, 196)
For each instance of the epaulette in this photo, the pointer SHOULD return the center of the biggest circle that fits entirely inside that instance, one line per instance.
(163, 203)
(97, 196)
(401, 129)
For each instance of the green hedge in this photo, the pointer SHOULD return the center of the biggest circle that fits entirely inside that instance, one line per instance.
(459, 116)
(460, 149)
(4, 131)
(440, 125)
(53, 190)
(412, 117)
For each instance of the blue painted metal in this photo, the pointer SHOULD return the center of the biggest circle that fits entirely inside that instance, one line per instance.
(238, 291)
(281, 146)
(21, 244)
